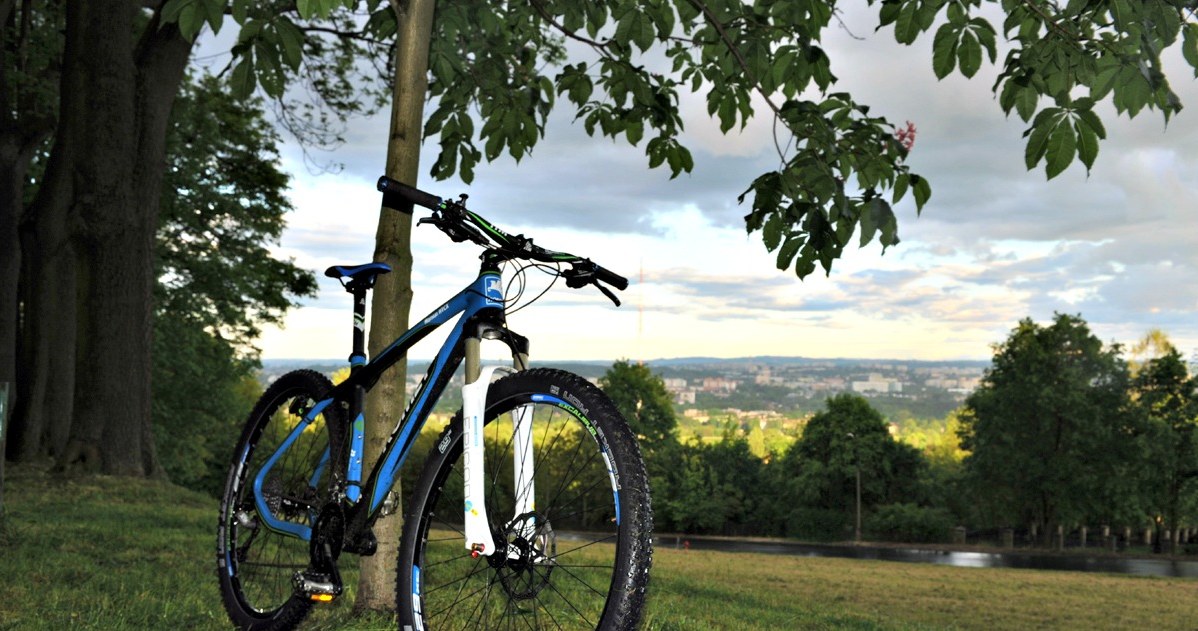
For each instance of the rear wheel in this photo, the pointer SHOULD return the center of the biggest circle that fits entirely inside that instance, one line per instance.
(260, 545)
(579, 559)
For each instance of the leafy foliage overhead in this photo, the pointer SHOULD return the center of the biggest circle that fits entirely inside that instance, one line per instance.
(498, 68)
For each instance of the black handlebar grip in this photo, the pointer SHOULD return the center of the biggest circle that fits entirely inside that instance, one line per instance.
(611, 278)
(388, 187)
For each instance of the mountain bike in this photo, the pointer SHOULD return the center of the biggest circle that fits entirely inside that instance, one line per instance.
(532, 509)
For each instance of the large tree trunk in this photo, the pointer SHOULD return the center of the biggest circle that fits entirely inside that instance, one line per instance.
(393, 294)
(115, 101)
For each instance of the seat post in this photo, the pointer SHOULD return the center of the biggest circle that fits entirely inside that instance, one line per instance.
(357, 357)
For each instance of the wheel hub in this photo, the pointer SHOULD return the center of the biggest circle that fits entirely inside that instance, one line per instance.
(527, 560)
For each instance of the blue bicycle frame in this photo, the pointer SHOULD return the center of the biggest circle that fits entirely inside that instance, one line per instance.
(481, 310)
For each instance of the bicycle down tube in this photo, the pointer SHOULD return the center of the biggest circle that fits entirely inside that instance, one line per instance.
(483, 295)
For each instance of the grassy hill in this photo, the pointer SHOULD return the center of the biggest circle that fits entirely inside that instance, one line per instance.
(110, 553)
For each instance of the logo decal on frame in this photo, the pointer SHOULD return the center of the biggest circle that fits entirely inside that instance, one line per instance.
(494, 290)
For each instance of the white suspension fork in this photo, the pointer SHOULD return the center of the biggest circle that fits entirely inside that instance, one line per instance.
(479, 539)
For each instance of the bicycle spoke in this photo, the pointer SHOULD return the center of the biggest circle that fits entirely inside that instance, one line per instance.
(460, 557)
(457, 597)
(571, 604)
(587, 545)
(584, 583)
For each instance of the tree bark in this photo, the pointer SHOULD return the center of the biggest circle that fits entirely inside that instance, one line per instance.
(43, 415)
(115, 100)
(27, 119)
(393, 293)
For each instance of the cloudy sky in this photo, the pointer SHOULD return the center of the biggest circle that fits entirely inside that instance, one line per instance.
(995, 244)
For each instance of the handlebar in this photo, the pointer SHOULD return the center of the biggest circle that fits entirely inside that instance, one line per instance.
(393, 190)
(460, 224)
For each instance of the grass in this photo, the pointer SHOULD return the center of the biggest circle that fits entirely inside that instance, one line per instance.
(109, 553)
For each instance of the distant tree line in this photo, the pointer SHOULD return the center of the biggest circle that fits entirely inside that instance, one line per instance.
(1063, 431)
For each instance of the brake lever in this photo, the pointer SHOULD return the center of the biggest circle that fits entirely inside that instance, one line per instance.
(607, 292)
(581, 277)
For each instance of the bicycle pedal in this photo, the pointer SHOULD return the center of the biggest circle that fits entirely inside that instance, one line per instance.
(316, 587)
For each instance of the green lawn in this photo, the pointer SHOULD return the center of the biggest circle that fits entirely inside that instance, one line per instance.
(107, 553)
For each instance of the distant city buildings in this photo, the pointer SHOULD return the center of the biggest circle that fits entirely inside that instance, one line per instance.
(771, 385)
(820, 379)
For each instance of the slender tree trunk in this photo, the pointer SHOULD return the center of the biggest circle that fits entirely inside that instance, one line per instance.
(26, 120)
(11, 178)
(393, 294)
(44, 411)
(10, 269)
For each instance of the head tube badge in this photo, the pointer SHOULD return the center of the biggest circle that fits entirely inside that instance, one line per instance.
(494, 290)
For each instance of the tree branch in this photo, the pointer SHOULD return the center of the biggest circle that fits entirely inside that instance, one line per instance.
(1052, 24)
(740, 59)
(354, 35)
(744, 65)
(540, 9)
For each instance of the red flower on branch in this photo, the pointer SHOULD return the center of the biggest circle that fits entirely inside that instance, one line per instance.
(906, 136)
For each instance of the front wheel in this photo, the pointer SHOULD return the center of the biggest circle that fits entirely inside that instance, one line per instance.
(579, 559)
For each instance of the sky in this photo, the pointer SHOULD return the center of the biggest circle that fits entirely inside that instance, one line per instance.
(995, 244)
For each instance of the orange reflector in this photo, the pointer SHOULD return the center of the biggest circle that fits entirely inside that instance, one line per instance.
(322, 598)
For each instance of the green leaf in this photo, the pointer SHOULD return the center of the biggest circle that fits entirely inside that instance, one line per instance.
(886, 221)
(292, 40)
(906, 27)
(1093, 122)
(944, 51)
(249, 31)
(727, 113)
(215, 13)
(636, 28)
(789, 248)
(634, 132)
(1189, 45)
(307, 8)
(922, 190)
(888, 13)
(771, 234)
(191, 20)
(986, 35)
(270, 73)
(240, 9)
(869, 221)
(901, 183)
(956, 14)
(241, 82)
(644, 32)
(1062, 145)
(969, 54)
(1087, 144)
(1132, 91)
(172, 9)
(1026, 100)
(1037, 143)
(1121, 11)
(806, 263)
